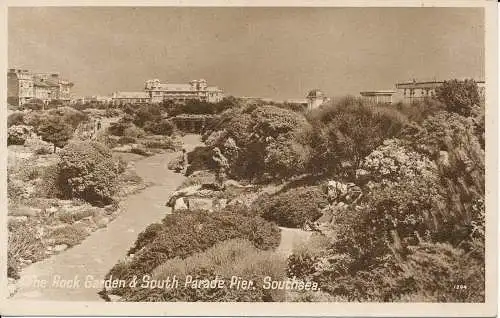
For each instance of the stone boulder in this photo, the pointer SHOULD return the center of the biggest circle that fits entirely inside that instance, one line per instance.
(180, 204)
(200, 204)
(184, 192)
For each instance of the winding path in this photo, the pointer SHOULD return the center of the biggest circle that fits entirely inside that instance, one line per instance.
(97, 254)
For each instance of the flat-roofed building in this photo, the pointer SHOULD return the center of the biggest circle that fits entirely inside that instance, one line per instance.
(414, 90)
(122, 98)
(378, 97)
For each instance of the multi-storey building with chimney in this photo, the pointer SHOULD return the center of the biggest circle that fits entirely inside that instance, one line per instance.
(23, 86)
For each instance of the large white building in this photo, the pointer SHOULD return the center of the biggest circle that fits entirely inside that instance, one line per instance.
(157, 92)
(195, 90)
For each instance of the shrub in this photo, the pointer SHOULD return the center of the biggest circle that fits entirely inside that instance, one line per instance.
(200, 158)
(451, 140)
(133, 132)
(71, 217)
(70, 235)
(118, 128)
(285, 158)
(183, 234)
(69, 115)
(226, 259)
(140, 151)
(418, 110)
(16, 118)
(293, 207)
(42, 151)
(459, 96)
(24, 243)
(264, 140)
(127, 140)
(163, 127)
(15, 189)
(393, 162)
(163, 143)
(29, 172)
(50, 187)
(345, 132)
(87, 171)
(17, 134)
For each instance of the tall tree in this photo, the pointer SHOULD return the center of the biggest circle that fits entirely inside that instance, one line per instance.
(55, 130)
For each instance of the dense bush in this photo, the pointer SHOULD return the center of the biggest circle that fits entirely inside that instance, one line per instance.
(345, 132)
(418, 110)
(264, 141)
(226, 259)
(24, 243)
(87, 171)
(118, 128)
(69, 115)
(163, 127)
(459, 96)
(17, 134)
(293, 207)
(200, 158)
(393, 162)
(16, 118)
(183, 234)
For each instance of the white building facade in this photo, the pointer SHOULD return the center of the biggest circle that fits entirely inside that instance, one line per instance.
(195, 90)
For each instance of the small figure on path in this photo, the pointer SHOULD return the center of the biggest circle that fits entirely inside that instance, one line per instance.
(222, 167)
(179, 163)
(99, 125)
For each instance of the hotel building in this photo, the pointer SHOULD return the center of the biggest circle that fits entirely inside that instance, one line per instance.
(157, 92)
(23, 86)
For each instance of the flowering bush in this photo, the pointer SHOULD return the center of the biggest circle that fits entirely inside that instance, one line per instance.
(17, 134)
(393, 162)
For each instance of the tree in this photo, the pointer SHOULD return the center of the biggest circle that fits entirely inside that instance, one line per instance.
(459, 96)
(55, 130)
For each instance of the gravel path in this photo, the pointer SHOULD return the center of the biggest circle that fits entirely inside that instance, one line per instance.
(95, 256)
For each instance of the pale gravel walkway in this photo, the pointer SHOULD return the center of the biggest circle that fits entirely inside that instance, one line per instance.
(97, 254)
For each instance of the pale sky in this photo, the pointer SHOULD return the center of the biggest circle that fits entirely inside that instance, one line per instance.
(267, 52)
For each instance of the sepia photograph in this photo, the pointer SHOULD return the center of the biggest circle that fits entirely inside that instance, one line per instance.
(250, 155)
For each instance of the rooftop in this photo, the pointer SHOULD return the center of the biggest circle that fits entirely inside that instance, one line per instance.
(130, 95)
(379, 92)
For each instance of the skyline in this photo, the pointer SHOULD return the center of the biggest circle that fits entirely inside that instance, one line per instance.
(279, 53)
